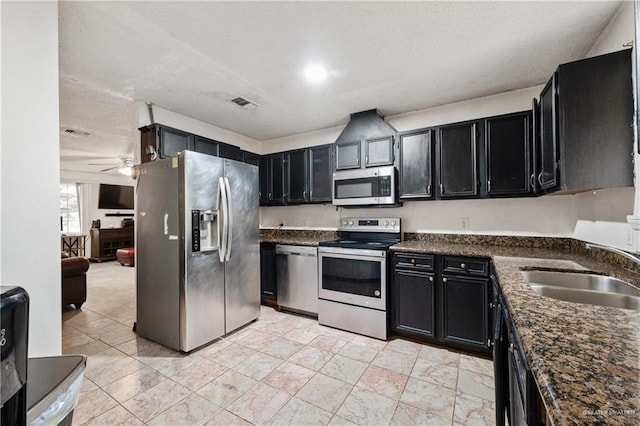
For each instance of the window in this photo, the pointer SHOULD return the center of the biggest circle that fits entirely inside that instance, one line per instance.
(69, 208)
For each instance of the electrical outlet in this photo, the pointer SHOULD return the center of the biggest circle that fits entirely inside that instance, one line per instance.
(464, 223)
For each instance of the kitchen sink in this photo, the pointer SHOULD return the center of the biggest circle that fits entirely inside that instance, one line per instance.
(584, 288)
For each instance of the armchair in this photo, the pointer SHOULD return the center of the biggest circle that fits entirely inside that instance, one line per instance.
(74, 280)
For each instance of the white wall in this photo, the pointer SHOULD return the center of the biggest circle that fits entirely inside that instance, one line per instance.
(200, 128)
(30, 245)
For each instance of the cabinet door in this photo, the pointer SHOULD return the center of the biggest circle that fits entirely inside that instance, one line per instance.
(173, 141)
(458, 163)
(321, 176)
(415, 165)
(595, 116)
(250, 158)
(265, 173)
(548, 174)
(413, 307)
(297, 176)
(205, 146)
(507, 152)
(276, 179)
(348, 156)
(231, 152)
(268, 271)
(378, 152)
(465, 311)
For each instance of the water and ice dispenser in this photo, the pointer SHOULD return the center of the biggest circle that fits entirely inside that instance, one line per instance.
(204, 230)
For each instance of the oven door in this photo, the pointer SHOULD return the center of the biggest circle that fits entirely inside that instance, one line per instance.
(353, 276)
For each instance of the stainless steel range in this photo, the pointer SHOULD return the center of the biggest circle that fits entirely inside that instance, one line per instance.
(352, 275)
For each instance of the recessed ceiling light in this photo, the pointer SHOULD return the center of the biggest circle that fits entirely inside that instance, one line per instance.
(315, 73)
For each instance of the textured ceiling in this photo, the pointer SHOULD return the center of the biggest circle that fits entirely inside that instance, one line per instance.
(191, 58)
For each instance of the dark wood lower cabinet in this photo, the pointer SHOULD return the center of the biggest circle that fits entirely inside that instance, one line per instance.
(442, 298)
(413, 304)
(268, 290)
(465, 311)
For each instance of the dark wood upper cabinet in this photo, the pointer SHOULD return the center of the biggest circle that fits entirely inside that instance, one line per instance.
(595, 126)
(320, 174)
(250, 158)
(277, 178)
(457, 153)
(265, 180)
(378, 152)
(205, 146)
(159, 141)
(507, 154)
(348, 155)
(548, 176)
(297, 171)
(272, 180)
(231, 152)
(415, 170)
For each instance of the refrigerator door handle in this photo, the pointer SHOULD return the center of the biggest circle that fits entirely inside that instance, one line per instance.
(228, 220)
(222, 216)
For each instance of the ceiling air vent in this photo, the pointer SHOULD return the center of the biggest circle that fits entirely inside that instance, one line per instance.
(76, 132)
(244, 102)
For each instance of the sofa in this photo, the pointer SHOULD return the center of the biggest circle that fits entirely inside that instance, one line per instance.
(74, 280)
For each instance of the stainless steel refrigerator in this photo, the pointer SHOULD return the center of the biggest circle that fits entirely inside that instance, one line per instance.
(197, 249)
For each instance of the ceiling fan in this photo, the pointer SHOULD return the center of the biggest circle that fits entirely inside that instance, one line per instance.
(124, 166)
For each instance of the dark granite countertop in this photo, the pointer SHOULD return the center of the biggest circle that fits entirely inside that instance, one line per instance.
(585, 358)
(296, 237)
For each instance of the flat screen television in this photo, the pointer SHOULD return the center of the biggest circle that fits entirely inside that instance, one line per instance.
(115, 197)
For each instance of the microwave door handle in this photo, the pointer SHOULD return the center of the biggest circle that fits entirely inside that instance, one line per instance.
(229, 220)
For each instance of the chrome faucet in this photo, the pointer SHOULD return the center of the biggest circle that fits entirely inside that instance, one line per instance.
(623, 253)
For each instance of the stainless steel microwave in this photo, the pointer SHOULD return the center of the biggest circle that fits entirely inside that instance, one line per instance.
(365, 187)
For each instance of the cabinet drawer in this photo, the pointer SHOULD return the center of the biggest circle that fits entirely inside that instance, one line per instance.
(413, 261)
(463, 265)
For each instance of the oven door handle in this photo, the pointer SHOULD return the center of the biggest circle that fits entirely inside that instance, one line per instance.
(354, 254)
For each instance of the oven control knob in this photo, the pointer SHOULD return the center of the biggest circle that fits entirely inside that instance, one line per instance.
(350, 223)
(377, 293)
(393, 223)
(344, 222)
(386, 223)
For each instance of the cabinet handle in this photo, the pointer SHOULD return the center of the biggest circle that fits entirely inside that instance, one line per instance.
(304, 195)
(540, 178)
(311, 194)
(413, 261)
(431, 279)
(532, 180)
(488, 186)
(270, 196)
(463, 265)
(441, 189)
(444, 280)
(512, 347)
(429, 189)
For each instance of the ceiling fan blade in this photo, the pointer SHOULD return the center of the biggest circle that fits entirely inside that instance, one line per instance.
(109, 168)
(101, 164)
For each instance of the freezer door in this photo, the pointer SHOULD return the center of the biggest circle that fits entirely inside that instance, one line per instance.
(202, 293)
(242, 267)
(158, 253)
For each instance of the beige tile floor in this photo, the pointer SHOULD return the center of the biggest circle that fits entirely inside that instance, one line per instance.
(282, 369)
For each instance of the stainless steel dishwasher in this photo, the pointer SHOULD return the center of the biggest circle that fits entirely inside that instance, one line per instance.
(297, 278)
